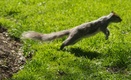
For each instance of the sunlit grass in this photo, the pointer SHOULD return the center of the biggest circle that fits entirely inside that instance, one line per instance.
(92, 58)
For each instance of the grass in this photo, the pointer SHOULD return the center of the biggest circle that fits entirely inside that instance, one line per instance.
(92, 58)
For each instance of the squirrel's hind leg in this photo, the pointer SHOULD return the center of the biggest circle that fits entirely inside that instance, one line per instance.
(69, 41)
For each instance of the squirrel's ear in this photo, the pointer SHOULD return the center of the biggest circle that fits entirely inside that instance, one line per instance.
(113, 12)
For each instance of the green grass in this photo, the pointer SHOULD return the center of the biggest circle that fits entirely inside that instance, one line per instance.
(92, 58)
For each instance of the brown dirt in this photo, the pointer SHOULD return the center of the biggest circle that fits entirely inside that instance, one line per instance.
(11, 54)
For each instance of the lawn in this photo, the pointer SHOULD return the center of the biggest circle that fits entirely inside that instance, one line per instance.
(92, 58)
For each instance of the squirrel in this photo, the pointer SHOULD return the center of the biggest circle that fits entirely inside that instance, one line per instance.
(78, 32)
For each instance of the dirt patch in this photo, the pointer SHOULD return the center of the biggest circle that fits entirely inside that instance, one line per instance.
(11, 58)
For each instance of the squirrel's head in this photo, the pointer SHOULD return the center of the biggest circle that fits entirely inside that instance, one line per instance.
(115, 17)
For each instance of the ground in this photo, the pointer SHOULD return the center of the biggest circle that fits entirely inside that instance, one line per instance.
(11, 58)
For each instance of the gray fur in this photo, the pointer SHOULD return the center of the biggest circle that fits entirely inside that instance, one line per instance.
(78, 32)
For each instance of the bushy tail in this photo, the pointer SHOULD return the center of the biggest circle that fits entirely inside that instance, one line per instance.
(44, 37)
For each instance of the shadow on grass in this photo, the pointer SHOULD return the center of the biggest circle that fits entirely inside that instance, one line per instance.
(82, 53)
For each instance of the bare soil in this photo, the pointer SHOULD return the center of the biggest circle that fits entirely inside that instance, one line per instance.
(11, 55)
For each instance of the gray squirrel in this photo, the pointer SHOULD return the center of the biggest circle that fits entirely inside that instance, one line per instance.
(78, 32)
